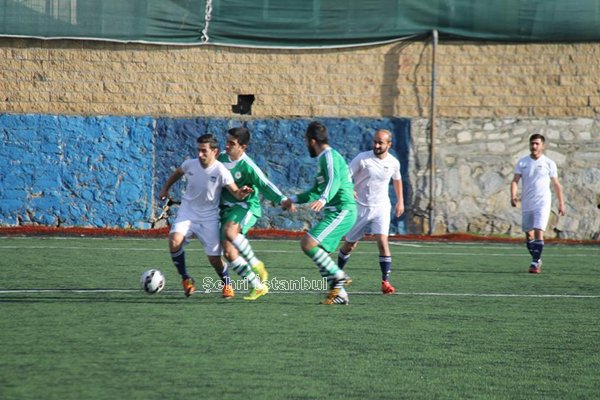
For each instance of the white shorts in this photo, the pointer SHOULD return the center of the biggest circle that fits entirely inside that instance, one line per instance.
(206, 232)
(535, 219)
(377, 218)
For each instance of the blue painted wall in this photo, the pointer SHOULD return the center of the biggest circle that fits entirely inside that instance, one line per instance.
(105, 171)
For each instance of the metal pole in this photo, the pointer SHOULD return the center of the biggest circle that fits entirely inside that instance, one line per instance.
(432, 136)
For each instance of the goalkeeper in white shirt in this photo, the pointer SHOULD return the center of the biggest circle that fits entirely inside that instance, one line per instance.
(371, 172)
(536, 171)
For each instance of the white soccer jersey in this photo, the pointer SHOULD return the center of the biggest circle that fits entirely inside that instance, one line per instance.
(535, 178)
(371, 177)
(200, 201)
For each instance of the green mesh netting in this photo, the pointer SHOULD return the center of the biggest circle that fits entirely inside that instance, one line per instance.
(300, 23)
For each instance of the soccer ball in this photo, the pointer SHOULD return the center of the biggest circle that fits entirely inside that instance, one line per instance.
(152, 281)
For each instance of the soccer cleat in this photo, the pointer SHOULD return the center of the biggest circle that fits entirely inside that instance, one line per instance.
(387, 288)
(228, 292)
(334, 297)
(189, 286)
(260, 270)
(536, 268)
(255, 293)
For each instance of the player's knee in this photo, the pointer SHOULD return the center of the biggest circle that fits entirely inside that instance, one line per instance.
(231, 230)
(216, 262)
(175, 243)
(307, 243)
(228, 254)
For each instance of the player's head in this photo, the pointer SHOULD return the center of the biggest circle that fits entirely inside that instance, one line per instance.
(242, 135)
(237, 142)
(382, 141)
(536, 145)
(207, 149)
(537, 136)
(316, 137)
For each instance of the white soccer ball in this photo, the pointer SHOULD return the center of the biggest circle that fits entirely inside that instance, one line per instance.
(152, 281)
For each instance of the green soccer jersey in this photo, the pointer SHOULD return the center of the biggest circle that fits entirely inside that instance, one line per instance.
(246, 172)
(333, 183)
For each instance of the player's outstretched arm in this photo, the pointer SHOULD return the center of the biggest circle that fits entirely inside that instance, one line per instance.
(175, 176)
(288, 205)
(239, 193)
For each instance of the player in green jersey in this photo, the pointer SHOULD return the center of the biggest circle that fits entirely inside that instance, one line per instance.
(237, 217)
(332, 192)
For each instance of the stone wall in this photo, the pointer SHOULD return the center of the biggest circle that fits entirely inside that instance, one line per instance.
(474, 80)
(475, 161)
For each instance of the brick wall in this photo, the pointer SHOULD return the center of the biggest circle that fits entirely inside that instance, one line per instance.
(475, 80)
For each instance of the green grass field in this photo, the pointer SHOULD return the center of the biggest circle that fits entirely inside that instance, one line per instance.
(467, 322)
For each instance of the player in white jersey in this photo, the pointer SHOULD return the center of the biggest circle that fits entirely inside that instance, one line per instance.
(537, 172)
(198, 214)
(371, 173)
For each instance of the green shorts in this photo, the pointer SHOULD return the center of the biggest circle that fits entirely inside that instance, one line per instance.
(241, 216)
(332, 228)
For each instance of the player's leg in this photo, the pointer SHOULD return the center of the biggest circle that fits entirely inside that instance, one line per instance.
(385, 263)
(177, 239)
(220, 268)
(527, 218)
(177, 251)
(208, 234)
(540, 221)
(345, 252)
(380, 227)
(241, 267)
(534, 224)
(353, 236)
(236, 223)
(536, 251)
(320, 241)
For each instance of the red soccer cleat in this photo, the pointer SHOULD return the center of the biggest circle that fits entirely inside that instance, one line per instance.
(387, 288)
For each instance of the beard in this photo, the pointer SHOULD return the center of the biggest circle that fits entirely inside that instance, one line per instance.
(379, 152)
(311, 151)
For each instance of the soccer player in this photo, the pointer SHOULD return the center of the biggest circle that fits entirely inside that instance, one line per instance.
(198, 214)
(537, 172)
(333, 193)
(238, 216)
(371, 173)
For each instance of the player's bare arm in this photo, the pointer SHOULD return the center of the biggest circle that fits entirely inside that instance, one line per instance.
(399, 209)
(559, 194)
(514, 200)
(317, 205)
(175, 176)
(239, 193)
(288, 205)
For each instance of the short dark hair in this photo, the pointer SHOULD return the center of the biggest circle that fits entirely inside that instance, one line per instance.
(210, 139)
(537, 136)
(241, 134)
(318, 132)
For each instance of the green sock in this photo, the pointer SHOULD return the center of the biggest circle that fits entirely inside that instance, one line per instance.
(243, 245)
(323, 261)
(240, 266)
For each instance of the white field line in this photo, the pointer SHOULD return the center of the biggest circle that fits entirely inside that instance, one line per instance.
(454, 245)
(362, 293)
(197, 249)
